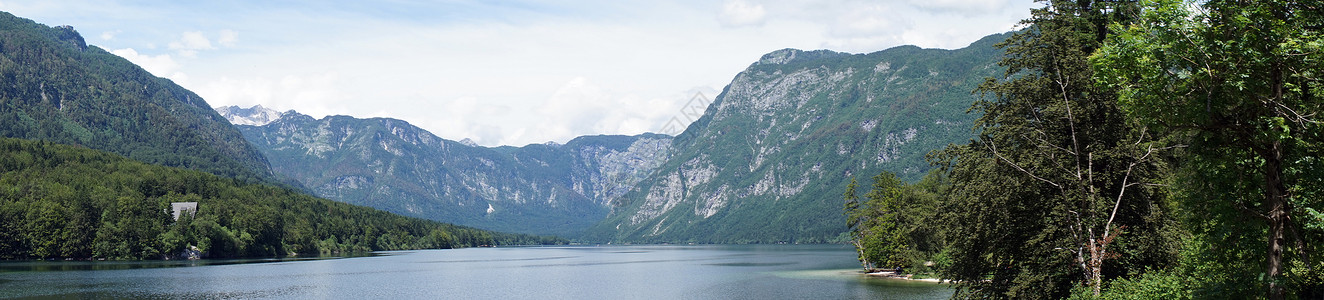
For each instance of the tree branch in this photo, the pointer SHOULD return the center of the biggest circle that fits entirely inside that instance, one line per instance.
(993, 147)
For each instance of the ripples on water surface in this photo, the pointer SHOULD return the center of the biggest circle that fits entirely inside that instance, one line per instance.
(609, 272)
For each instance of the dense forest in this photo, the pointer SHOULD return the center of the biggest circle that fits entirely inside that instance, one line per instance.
(59, 201)
(1132, 150)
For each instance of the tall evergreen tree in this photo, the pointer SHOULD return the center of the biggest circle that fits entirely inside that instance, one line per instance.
(1059, 188)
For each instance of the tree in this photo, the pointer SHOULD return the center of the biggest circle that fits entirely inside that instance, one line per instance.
(886, 239)
(70, 202)
(853, 219)
(1243, 79)
(1057, 175)
(920, 218)
(874, 225)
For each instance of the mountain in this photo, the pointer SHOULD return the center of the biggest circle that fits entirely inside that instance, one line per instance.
(55, 87)
(256, 115)
(770, 157)
(83, 203)
(133, 138)
(766, 162)
(392, 165)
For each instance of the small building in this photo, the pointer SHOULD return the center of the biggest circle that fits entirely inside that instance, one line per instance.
(179, 208)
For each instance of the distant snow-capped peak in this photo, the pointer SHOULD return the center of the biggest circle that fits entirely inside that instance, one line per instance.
(256, 115)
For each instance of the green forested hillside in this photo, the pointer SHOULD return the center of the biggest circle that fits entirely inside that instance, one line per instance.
(765, 162)
(55, 87)
(59, 201)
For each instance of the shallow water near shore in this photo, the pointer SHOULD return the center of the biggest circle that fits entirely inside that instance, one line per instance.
(580, 272)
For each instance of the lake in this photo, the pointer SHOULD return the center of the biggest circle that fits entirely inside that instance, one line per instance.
(587, 272)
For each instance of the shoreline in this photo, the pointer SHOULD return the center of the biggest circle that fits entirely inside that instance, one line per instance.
(907, 277)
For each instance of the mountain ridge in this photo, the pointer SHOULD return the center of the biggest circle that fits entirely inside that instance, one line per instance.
(768, 159)
(255, 115)
(764, 162)
(59, 89)
(395, 166)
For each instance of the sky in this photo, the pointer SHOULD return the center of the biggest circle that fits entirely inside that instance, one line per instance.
(510, 72)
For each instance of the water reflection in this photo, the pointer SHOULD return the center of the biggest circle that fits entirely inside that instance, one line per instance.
(84, 265)
(617, 272)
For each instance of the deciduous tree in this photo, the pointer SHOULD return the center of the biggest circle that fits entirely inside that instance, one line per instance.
(1243, 78)
(874, 224)
(1058, 176)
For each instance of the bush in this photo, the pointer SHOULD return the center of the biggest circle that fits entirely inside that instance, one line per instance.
(1151, 285)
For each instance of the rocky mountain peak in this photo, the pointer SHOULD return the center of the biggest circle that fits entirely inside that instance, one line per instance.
(769, 158)
(256, 115)
(68, 34)
(789, 55)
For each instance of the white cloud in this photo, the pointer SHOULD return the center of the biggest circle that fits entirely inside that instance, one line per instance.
(228, 38)
(502, 73)
(315, 90)
(868, 26)
(863, 26)
(469, 117)
(230, 91)
(160, 65)
(577, 107)
(736, 13)
(583, 107)
(189, 43)
(961, 7)
(109, 35)
(317, 94)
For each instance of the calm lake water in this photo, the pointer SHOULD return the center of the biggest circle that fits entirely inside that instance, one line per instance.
(606, 272)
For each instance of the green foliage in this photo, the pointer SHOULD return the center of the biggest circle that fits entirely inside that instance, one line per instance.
(57, 88)
(1059, 188)
(896, 225)
(852, 205)
(1147, 286)
(1242, 80)
(61, 201)
(921, 221)
(874, 225)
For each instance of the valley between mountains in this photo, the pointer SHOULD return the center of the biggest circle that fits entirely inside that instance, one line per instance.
(764, 164)
(1103, 150)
